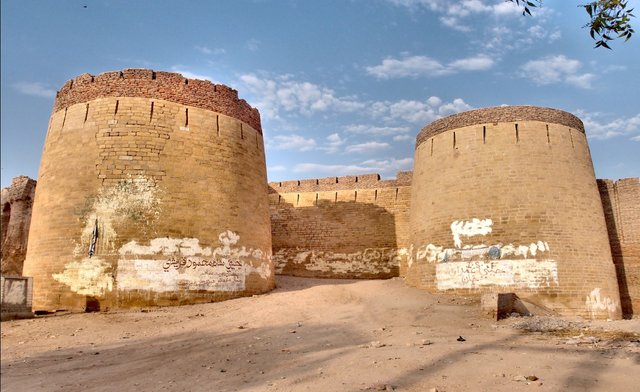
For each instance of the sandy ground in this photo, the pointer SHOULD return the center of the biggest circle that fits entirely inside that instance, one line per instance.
(315, 335)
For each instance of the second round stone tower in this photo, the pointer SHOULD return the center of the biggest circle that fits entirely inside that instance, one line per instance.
(505, 200)
(152, 191)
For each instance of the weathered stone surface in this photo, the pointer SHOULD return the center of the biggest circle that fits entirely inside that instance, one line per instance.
(16, 203)
(505, 199)
(621, 202)
(15, 297)
(150, 193)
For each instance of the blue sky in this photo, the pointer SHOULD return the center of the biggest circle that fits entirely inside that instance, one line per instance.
(343, 87)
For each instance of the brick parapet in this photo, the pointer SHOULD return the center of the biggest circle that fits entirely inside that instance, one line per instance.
(146, 83)
(497, 115)
(21, 188)
(363, 181)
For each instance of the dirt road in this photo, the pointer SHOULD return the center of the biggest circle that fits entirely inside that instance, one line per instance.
(314, 335)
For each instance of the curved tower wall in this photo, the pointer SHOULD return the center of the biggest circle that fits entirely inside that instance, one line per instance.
(505, 200)
(152, 191)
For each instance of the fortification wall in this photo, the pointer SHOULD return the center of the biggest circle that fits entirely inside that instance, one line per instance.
(148, 201)
(340, 227)
(16, 203)
(621, 202)
(503, 200)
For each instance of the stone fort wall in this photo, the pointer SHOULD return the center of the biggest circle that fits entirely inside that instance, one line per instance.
(16, 203)
(621, 202)
(152, 191)
(505, 199)
(340, 227)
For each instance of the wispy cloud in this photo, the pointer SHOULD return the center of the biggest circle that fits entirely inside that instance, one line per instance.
(602, 126)
(556, 69)
(35, 89)
(375, 130)
(417, 112)
(385, 167)
(253, 45)
(417, 66)
(486, 22)
(291, 142)
(333, 143)
(209, 51)
(366, 148)
(191, 75)
(278, 94)
(401, 138)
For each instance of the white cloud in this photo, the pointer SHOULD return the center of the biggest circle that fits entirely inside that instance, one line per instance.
(417, 112)
(277, 168)
(278, 94)
(375, 130)
(368, 147)
(475, 63)
(416, 66)
(556, 69)
(601, 126)
(412, 66)
(385, 166)
(208, 51)
(333, 143)
(191, 75)
(291, 142)
(253, 45)
(458, 105)
(36, 89)
(401, 138)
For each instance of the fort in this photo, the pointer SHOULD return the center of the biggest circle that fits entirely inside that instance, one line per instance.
(152, 191)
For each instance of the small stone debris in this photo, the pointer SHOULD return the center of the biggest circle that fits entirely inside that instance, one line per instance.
(531, 378)
(241, 327)
(374, 344)
(293, 331)
(426, 342)
(434, 390)
(579, 340)
(461, 339)
(382, 387)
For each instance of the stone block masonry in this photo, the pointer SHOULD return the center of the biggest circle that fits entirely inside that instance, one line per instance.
(16, 203)
(505, 199)
(621, 202)
(15, 297)
(150, 193)
(340, 227)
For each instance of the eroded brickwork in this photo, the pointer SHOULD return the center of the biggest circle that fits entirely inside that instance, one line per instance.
(621, 202)
(147, 201)
(512, 206)
(167, 86)
(16, 203)
(340, 227)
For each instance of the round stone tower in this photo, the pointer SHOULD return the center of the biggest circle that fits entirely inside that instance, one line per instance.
(152, 191)
(505, 200)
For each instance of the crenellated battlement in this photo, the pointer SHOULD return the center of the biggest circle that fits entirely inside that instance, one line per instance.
(363, 181)
(170, 86)
(499, 114)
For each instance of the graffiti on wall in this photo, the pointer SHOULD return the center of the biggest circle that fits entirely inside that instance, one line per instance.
(367, 261)
(89, 276)
(170, 264)
(526, 273)
(477, 265)
(130, 200)
(597, 303)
